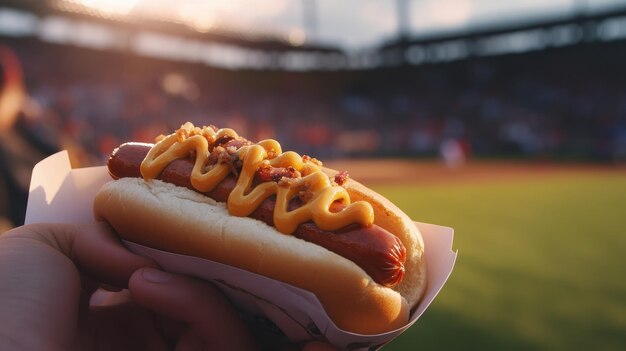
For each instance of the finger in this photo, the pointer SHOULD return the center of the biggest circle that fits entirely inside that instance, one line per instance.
(41, 285)
(103, 298)
(99, 253)
(118, 323)
(32, 274)
(93, 248)
(209, 314)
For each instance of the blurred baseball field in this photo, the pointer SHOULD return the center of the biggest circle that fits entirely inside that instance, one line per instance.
(541, 253)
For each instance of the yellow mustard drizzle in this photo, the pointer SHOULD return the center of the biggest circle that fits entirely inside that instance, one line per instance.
(244, 199)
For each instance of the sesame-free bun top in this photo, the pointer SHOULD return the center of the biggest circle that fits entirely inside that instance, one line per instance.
(178, 220)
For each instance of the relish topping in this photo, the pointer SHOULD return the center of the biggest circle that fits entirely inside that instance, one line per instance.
(219, 152)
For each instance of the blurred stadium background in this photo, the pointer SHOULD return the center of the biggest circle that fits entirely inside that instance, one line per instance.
(504, 120)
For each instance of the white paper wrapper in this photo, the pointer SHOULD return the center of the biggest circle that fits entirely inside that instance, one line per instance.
(61, 194)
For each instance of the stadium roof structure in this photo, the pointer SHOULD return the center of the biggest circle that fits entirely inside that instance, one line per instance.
(578, 29)
(233, 49)
(172, 25)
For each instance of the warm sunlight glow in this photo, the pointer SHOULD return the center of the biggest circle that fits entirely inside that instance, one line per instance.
(199, 16)
(450, 13)
(297, 37)
(111, 7)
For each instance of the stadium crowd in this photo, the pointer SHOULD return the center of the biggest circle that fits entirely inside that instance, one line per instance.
(546, 105)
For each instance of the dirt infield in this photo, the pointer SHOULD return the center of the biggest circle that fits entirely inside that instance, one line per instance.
(393, 171)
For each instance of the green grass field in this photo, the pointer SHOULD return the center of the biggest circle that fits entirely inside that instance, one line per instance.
(541, 263)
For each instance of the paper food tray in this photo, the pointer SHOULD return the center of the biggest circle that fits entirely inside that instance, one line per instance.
(61, 194)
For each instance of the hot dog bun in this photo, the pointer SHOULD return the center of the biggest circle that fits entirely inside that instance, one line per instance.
(174, 219)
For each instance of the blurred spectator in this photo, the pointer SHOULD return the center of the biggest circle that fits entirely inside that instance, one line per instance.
(16, 160)
(27, 135)
(452, 153)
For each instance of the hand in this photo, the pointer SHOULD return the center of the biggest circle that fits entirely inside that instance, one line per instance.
(49, 297)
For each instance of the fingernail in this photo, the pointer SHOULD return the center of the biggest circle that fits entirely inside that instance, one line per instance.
(155, 276)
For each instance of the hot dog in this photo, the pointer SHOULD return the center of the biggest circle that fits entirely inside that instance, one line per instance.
(374, 273)
(378, 252)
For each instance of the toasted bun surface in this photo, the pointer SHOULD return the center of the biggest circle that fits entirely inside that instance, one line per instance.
(174, 219)
(390, 217)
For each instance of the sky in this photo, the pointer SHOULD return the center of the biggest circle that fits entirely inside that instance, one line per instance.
(358, 23)
(352, 24)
